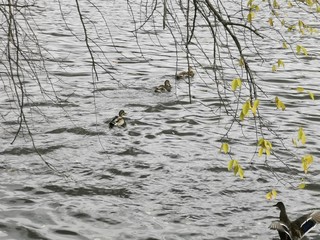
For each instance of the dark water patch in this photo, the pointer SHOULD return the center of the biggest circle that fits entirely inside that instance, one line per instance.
(80, 215)
(70, 234)
(76, 130)
(279, 80)
(10, 123)
(217, 169)
(175, 132)
(144, 176)
(142, 165)
(82, 191)
(311, 117)
(173, 156)
(119, 172)
(50, 104)
(26, 151)
(150, 136)
(108, 221)
(19, 201)
(105, 176)
(133, 133)
(131, 60)
(179, 121)
(139, 123)
(132, 152)
(313, 187)
(136, 105)
(104, 89)
(163, 106)
(71, 74)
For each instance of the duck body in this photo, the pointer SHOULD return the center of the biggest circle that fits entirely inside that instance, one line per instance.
(166, 87)
(185, 74)
(297, 229)
(118, 121)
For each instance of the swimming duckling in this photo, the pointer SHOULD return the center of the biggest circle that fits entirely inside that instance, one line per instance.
(294, 230)
(164, 88)
(185, 74)
(118, 120)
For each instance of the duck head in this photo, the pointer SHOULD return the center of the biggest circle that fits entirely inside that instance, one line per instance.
(279, 205)
(167, 83)
(122, 113)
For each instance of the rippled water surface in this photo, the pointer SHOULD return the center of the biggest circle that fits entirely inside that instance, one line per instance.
(162, 177)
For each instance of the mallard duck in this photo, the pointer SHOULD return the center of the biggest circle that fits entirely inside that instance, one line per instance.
(297, 229)
(164, 88)
(118, 120)
(185, 74)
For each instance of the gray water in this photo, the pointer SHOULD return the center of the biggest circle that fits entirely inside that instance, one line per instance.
(162, 177)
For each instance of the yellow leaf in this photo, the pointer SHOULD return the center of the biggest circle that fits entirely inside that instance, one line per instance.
(291, 28)
(294, 142)
(306, 162)
(246, 107)
(301, 136)
(255, 106)
(242, 116)
(224, 147)
(311, 95)
(290, 4)
(250, 16)
(255, 7)
(280, 63)
(301, 49)
(298, 48)
(300, 89)
(310, 3)
(235, 169)
(275, 4)
(284, 45)
(241, 62)
(280, 104)
(318, 9)
(272, 194)
(268, 151)
(236, 83)
(230, 165)
(266, 147)
(269, 195)
(308, 159)
(304, 50)
(301, 24)
(302, 185)
(241, 172)
(270, 22)
(260, 152)
(260, 141)
(249, 3)
(274, 68)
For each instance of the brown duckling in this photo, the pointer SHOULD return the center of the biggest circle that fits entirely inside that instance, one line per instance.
(185, 74)
(118, 121)
(164, 88)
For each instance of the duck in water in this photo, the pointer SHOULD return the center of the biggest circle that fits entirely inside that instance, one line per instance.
(298, 228)
(118, 121)
(164, 88)
(185, 74)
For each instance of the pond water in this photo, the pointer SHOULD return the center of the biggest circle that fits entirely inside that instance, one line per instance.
(161, 177)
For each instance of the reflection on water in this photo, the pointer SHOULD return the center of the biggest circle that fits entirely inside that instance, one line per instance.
(163, 176)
